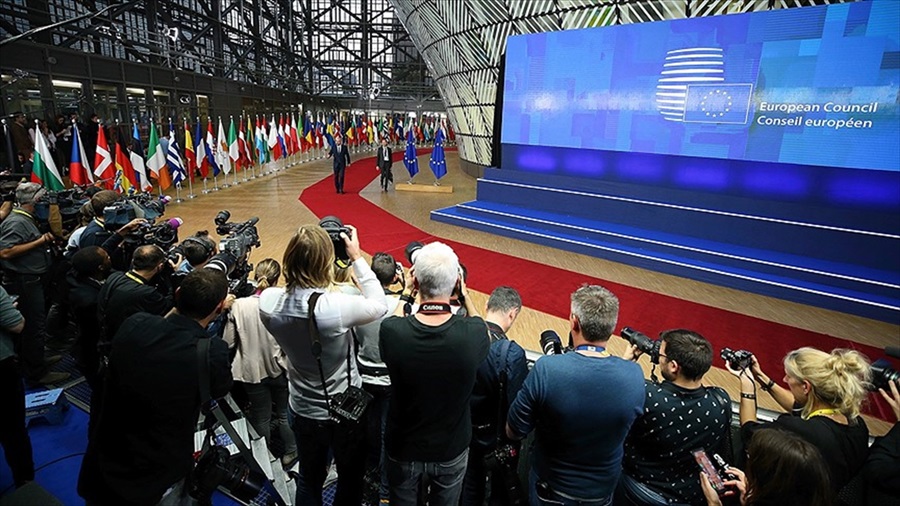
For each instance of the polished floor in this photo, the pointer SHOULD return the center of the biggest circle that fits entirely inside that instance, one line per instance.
(274, 199)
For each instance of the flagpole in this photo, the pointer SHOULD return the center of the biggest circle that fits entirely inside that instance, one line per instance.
(191, 163)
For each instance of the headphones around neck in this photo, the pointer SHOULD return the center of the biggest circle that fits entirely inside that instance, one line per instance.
(208, 247)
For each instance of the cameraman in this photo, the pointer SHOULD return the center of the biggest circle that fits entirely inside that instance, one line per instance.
(96, 234)
(197, 250)
(308, 262)
(489, 406)
(581, 405)
(142, 446)
(127, 293)
(26, 260)
(658, 467)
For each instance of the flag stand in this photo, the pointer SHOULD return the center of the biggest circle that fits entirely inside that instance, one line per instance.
(205, 189)
(191, 188)
(178, 193)
(236, 182)
(245, 173)
(225, 181)
(215, 182)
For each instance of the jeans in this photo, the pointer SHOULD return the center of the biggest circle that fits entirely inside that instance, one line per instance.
(346, 442)
(445, 478)
(269, 401)
(32, 305)
(378, 410)
(631, 492)
(13, 434)
(474, 484)
(540, 496)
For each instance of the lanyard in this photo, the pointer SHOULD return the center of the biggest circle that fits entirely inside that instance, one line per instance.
(596, 349)
(822, 412)
(134, 278)
(24, 213)
(434, 308)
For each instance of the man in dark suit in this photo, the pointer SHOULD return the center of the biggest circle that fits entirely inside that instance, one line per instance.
(141, 448)
(341, 159)
(384, 163)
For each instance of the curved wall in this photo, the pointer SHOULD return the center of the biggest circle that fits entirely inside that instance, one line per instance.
(463, 42)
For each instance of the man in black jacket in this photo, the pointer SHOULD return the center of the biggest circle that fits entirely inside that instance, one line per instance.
(489, 405)
(141, 449)
(341, 159)
(384, 162)
(90, 267)
(126, 293)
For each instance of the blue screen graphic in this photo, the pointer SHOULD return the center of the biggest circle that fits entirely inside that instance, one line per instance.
(812, 86)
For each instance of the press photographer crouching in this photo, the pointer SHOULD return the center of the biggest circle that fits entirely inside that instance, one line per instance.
(823, 399)
(313, 327)
(680, 415)
(141, 448)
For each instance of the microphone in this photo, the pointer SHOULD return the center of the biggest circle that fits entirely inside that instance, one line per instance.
(165, 199)
(174, 223)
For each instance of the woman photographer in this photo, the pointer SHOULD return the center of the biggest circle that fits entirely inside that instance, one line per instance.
(257, 364)
(783, 468)
(824, 396)
(308, 270)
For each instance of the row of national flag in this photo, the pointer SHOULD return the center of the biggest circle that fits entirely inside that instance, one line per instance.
(130, 168)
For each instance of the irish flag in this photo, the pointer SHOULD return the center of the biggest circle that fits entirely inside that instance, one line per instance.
(44, 168)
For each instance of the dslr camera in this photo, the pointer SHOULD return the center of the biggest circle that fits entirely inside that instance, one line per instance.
(737, 360)
(334, 227)
(882, 372)
(644, 344)
(503, 464)
(234, 249)
(551, 344)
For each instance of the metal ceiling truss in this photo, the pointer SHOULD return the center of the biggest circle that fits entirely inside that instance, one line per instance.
(338, 48)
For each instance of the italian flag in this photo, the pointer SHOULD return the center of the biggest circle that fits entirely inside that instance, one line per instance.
(44, 169)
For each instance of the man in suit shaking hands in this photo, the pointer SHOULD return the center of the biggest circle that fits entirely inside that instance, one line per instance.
(384, 163)
(341, 159)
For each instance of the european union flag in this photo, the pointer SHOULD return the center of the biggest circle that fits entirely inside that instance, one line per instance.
(718, 103)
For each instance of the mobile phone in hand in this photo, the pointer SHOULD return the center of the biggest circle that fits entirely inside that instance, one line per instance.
(707, 467)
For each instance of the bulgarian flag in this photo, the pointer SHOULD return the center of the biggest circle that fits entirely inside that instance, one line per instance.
(44, 169)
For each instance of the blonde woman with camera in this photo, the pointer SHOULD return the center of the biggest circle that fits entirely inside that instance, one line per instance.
(824, 396)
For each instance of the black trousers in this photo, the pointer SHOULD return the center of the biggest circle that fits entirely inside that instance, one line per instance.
(339, 178)
(31, 289)
(346, 442)
(13, 434)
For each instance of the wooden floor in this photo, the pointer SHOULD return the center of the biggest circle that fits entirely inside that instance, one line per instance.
(274, 199)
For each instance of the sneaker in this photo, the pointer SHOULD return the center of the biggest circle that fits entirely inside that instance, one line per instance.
(53, 377)
(288, 460)
(52, 359)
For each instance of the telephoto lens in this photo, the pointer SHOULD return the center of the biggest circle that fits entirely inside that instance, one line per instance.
(551, 344)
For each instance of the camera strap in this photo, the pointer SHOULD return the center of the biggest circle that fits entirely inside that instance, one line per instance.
(501, 394)
(430, 308)
(316, 343)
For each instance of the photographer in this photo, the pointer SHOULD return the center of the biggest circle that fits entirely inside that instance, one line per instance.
(824, 396)
(142, 446)
(658, 467)
(308, 270)
(881, 471)
(432, 357)
(90, 267)
(127, 293)
(26, 261)
(13, 434)
(581, 405)
(497, 383)
(374, 373)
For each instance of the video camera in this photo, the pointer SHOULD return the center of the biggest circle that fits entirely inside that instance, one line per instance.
(334, 227)
(234, 249)
(147, 207)
(69, 202)
(643, 343)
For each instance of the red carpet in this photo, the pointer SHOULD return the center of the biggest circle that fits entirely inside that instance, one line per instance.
(547, 289)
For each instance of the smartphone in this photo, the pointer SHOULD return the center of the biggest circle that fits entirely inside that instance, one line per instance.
(13, 298)
(709, 470)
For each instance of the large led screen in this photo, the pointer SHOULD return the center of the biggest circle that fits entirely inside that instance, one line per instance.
(811, 86)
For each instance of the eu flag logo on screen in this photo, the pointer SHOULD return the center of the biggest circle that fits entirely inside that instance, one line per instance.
(718, 103)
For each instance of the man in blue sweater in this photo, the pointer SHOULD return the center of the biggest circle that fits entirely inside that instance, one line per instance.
(581, 405)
